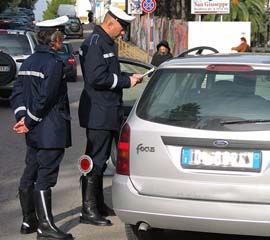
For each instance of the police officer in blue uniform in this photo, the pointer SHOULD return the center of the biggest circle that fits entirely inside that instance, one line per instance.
(41, 106)
(100, 108)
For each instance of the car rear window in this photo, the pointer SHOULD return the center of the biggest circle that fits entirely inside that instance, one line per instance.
(202, 99)
(15, 44)
(74, 20)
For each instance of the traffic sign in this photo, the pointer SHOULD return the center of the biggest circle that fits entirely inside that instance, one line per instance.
(149, 6)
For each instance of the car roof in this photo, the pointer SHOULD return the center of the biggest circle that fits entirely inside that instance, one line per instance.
(15, 31)
(73, 17)
(230, 58)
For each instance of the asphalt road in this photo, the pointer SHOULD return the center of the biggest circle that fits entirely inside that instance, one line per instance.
(66, 194)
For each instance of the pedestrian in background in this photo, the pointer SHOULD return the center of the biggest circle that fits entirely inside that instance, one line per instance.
(162, 54)
(243, 46)
(100, 108)
(40, 103)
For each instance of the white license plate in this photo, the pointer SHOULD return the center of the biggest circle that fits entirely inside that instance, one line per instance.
(4, 68)
(225, 160)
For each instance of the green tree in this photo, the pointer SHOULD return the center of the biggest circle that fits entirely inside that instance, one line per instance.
(52, 7)
(175, 9)
(28, 3)
(16, 3)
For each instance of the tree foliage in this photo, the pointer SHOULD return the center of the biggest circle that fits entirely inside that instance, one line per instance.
(15, 3)
(52, 7)
(175, 9)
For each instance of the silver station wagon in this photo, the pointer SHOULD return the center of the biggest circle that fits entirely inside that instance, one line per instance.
(194, 153)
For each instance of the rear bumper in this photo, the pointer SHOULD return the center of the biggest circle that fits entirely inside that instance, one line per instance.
(190, 215)
(70, 33)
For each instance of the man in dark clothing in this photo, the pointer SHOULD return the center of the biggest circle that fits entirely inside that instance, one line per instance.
(40, 103)
(100, 108)
(163, 53)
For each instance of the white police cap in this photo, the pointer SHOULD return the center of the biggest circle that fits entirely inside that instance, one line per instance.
(53, 22)
(122, 17)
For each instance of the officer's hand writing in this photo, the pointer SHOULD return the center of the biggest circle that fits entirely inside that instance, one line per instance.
(137, 75)
(20, 127)
(135, 80)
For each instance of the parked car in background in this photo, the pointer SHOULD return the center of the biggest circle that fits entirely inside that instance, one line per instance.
(20, 11)
(194, 152)
(74, 27)
(15, 47)
(69, 59)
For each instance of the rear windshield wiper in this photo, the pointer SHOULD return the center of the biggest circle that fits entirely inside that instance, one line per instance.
(245, 121)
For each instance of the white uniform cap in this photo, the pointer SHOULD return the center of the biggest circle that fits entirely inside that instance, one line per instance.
(119, 15)
(53, 22)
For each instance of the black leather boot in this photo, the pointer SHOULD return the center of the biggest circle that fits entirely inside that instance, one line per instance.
(89, 212)
(47, 229)
(30, 222)
(102, 206)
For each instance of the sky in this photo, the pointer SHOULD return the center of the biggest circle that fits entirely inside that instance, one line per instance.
(40, 7)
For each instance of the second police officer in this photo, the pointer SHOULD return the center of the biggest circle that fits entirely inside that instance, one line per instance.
(41, 108)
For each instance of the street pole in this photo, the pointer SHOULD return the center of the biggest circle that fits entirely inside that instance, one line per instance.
(148, 36)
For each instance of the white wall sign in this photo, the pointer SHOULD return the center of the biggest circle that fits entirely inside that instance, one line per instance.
(219, 35)
(210, 6)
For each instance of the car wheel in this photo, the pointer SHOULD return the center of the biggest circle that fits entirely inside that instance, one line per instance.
(133, 233)
(114, 153)
(72, 78)
(5, 93)
(7, 69)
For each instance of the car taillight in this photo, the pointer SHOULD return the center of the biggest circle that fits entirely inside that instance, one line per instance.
(229, 67)
(71, 60)
(3, 32)
(122, 165)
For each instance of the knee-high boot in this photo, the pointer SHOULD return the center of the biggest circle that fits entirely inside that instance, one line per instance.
(47, 229)
(30, 222)
(89, 212)
(102, 206)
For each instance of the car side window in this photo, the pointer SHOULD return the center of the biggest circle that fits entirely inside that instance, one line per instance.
(16, 44)
(262, 88)
(130, 95)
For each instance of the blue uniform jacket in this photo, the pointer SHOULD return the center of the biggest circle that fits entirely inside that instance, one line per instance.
(40, 94)
(101, 99)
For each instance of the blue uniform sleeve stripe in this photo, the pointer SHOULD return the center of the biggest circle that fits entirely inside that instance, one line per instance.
(21, 108)
(115, 81)
(33, 116)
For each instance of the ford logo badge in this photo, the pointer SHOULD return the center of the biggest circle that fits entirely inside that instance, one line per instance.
(220, 143)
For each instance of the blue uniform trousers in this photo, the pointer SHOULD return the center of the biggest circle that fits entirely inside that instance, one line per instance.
(99, 143)
(42, 167)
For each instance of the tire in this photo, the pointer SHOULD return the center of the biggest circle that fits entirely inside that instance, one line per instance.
(74, 27)
(114, 153)
(5, 93)
(7, 69)
(72, 78)
(133, 233)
